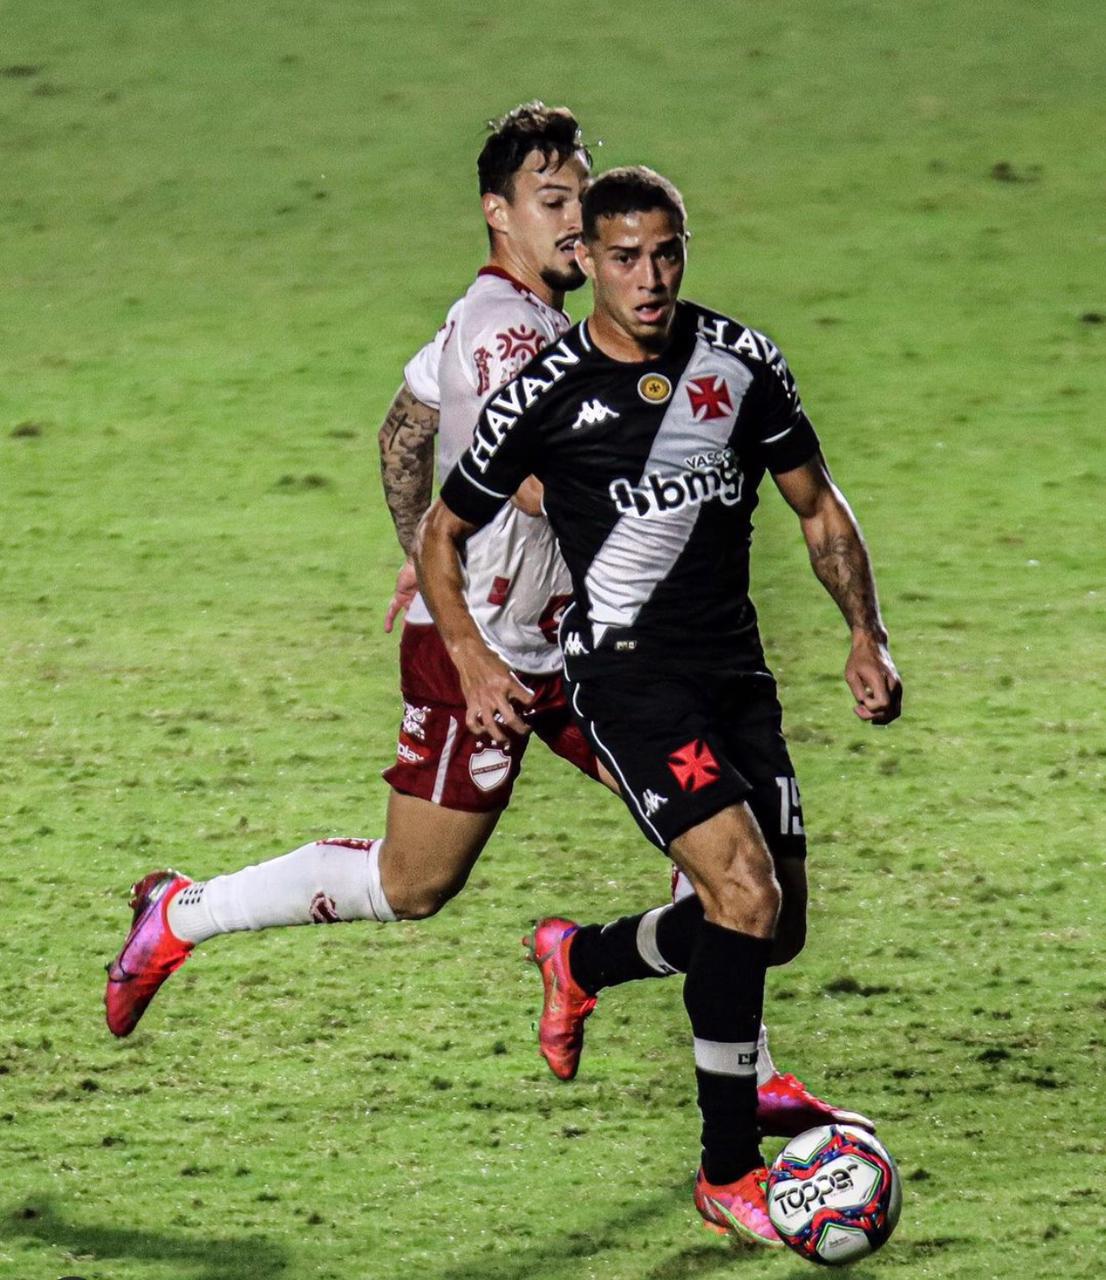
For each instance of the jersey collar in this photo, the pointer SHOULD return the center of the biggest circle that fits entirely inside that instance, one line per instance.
(681, 338)
(525, 290)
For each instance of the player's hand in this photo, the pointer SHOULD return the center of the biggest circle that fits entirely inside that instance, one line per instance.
(874, 681)
(492, 692)
(528, 496)
(406, 587)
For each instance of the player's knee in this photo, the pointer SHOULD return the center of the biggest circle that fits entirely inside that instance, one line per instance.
(747, 901)
(420, 901)
(419, 905)
(764, 905)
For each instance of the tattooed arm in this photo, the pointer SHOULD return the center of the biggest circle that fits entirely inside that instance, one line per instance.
(840, 559)
(407, 462)
(407, 469)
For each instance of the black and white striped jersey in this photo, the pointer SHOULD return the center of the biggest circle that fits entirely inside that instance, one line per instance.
(651, 472)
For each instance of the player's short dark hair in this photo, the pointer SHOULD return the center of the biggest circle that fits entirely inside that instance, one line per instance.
(633, 188)
(530, 127)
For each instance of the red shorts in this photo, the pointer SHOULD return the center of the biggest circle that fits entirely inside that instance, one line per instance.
(437, 759)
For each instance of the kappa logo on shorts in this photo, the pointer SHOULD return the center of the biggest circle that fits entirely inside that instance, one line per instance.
(652, 801)
(694, 766)
(489, 768)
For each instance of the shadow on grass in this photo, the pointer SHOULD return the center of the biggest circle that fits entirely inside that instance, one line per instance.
(705, 1259)
(210, 1258)
(560, 1250)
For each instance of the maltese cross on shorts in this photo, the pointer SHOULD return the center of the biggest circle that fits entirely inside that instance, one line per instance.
(694, 765)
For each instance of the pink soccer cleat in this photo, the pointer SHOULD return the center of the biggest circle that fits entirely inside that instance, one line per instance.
(738, 1208)
(566, 1006)
(786, 1108)
(150, 954)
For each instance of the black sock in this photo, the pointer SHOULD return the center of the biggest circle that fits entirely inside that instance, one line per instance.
(607, 955)
(677, 930)
(603, 955)
(724, 994)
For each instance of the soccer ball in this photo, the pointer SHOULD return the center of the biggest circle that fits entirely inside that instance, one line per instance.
(834, 1194)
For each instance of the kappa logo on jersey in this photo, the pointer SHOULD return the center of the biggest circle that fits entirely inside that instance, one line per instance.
(694, 766)
(592, 413)
(710, 398)
(654, 388)
(503, 409)
(652, 801)
(489, 768)
(574, 645)
(712, 474)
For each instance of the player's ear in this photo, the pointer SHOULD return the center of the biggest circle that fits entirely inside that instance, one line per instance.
(584, 259)
(495, 210)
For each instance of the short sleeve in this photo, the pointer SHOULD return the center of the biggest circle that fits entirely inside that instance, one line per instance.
(422, 372)
(782, 432)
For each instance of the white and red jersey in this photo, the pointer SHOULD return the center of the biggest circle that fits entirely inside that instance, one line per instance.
(516, 583)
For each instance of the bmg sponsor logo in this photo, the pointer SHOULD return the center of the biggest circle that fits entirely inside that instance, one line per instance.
(710, 475)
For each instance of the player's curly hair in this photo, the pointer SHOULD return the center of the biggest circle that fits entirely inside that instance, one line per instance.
(633, 188)
(531, 126)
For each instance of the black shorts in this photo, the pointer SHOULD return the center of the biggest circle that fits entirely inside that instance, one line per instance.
(685, 746)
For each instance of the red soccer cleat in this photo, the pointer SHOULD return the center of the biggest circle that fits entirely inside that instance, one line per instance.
(566, 1006)
(786, 1108)
(739, 1208)
(150, 954)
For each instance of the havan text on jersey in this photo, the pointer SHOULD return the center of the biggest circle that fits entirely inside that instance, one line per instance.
(502, 410)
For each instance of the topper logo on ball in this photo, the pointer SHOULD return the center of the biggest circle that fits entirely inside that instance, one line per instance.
(817, 1190)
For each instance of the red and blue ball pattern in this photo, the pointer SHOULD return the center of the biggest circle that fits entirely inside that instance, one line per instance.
(834, 1194)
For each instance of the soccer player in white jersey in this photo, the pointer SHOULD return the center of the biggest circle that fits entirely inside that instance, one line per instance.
(448, 786)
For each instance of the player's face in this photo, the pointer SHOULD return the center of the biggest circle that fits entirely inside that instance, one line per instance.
(542, 218)
(636, 264)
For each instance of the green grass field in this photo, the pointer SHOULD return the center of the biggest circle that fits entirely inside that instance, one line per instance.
(222, 230)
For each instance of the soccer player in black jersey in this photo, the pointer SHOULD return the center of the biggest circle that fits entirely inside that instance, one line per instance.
(651, 425)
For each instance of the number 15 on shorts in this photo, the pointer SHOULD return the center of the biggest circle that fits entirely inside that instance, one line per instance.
(791, 808)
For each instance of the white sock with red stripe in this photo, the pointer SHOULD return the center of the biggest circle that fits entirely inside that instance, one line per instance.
(324, 882)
